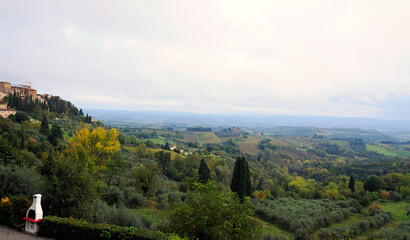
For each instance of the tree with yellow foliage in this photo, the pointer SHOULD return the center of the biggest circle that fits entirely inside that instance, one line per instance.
(98, 145)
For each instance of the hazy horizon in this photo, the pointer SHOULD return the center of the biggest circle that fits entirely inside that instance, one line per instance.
(290, 58)
(168, 118)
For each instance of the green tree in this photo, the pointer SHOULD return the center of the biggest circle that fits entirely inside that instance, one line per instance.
(56, 135)
(241, 180)
(44, 128)
(164, 160)
(352, 182)
(204, 172)
(372, 184)
(70, 189)
(146, 177)
(208, 213)
(21, 117)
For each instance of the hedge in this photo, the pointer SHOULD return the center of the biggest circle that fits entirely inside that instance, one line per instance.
(74, 229)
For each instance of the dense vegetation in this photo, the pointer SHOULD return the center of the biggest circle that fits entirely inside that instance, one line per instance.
(208, 186)
(302, 216)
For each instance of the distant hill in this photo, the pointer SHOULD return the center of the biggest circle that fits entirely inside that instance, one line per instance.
(270, 124)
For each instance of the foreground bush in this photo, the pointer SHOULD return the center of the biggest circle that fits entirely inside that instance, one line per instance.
(120, 216)
(13, 209)
(73, 229)
(19, 181)
(208, 213)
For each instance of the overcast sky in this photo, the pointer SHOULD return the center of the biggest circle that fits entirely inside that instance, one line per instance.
(321, 58)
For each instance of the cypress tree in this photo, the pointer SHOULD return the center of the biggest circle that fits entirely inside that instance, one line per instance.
(81, 112)
(204, 172)
(44, 129)
(10, 101)
(241, 180)
(352, 183)
(55, 135)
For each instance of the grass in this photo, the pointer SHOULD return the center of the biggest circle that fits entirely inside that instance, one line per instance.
(157, 216)
(270, 228)
(354, 218)
(345, 145)
(402, 153)
(206, 137)
(398, 209)
(399, 215)
(155, 140)
(250, 145)
(173, 154)
(188, 138)
(380, 150)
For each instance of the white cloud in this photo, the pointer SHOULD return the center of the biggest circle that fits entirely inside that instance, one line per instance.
(338, 58)
(68, 31)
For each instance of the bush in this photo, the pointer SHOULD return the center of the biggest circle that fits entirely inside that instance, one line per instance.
(208, 213)
(13, 209)
(384, 194)
(356, 228)
(19, 181)
(375, 207)
(114, 196)
(274, 237)
(73, 229)
(132, 198)
(120, 216)
(401, 232)
(395, 196)
(300, 215)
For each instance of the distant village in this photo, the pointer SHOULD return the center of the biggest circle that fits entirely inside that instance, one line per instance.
(24, 90)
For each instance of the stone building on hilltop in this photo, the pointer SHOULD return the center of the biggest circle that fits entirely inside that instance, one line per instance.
(5, 87)
(24, 90)
(5, 112)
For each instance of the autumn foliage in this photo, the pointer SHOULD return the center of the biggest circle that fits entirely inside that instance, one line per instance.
(97, 145)
(384, 194)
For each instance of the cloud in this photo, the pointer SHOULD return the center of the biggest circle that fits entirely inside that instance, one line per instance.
(327, 58)
(68, 31)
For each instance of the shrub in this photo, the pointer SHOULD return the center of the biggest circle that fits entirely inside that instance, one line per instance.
(114, 196)
(395, 196)
(304, 214)
(274, 237)
(356, 228)
(19, 181)
(120, 216)
(401, 232)
(13, 209)
(375, 207)
(73, 229)
(208, 213)
(384, 194)
(132, 198)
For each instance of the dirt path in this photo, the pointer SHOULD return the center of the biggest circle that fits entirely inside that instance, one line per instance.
(7, 233)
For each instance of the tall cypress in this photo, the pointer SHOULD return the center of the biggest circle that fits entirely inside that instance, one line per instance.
(204, 172)
(44, 129)
(241, 180)
(352, 183)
